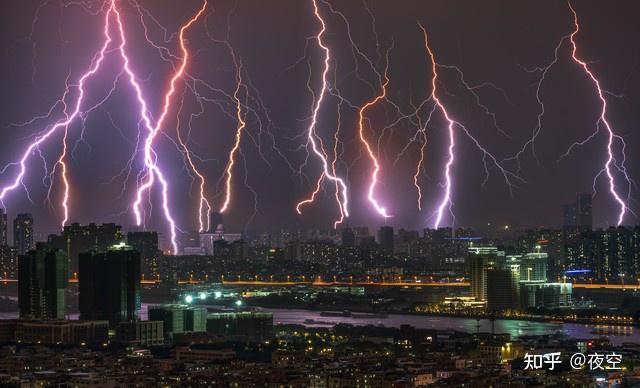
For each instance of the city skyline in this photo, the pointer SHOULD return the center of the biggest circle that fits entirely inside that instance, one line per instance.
(494, 79)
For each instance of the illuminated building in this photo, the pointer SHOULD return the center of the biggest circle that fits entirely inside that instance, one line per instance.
(8, 262)
(178, 318)
(531, 267)
(481, 259)
(109, 284)
(546, 295)
(43, 275)
(23, 233)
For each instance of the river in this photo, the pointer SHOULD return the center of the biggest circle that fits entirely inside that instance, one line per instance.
(515, 328)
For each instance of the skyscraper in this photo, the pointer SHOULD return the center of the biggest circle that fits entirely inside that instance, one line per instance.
(23, 233)
(110, 284)
(530, 267)
(482, 259)
(3, 228)
(503, 292)
(579, 214)
(43, 278)
(569, 215)
(385, 238)
(584, 214)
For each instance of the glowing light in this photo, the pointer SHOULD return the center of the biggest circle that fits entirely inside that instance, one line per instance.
(150, 159)
(188, 298)
(446, 199)
(372, 156)
(69, 118)
(238, 136)
(602, 119)
(311, 130)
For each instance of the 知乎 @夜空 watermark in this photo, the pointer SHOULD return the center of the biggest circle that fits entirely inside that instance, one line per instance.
(593, 361)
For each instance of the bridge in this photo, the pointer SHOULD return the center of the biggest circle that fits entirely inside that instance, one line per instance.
(367, 283)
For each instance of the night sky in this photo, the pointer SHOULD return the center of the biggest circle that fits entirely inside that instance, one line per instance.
(491, 41)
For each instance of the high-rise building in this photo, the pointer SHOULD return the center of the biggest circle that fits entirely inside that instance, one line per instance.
(109, 284)
(23, 233)
(532, 267)
(580, 213)
(179, 318)
(8, 262)
(481, 259)
(503, 292)
(545, 295)
(386, 239)
(569, 215)
(584, 214)
(146, 243)
(43, 278)
(3, 228)
(215, 220)
(76, 239)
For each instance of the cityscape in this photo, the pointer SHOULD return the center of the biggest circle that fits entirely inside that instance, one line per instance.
(194, 195)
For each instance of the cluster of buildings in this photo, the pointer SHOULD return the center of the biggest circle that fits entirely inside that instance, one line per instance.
(340, 357)
(109, 304)
(514, 282)
(23, 241)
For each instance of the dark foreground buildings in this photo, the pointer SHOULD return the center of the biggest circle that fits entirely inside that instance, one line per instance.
(76, 239)
(43, 275)
(109, 284)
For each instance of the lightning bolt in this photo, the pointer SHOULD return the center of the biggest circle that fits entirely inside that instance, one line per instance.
(56, 127)
(371, 195)
(446, 201)
(204, 207)
(153, 171)
(611, 135)
(318, 150)
(238, 137)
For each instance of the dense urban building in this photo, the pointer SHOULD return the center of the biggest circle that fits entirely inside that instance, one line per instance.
(146, 243)
(481, 260)
(386, 239)
(179, 318)
(76, 239)
(23, 234)
(4, 238)
(43, 275)
(109, 284)
(8, 262)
